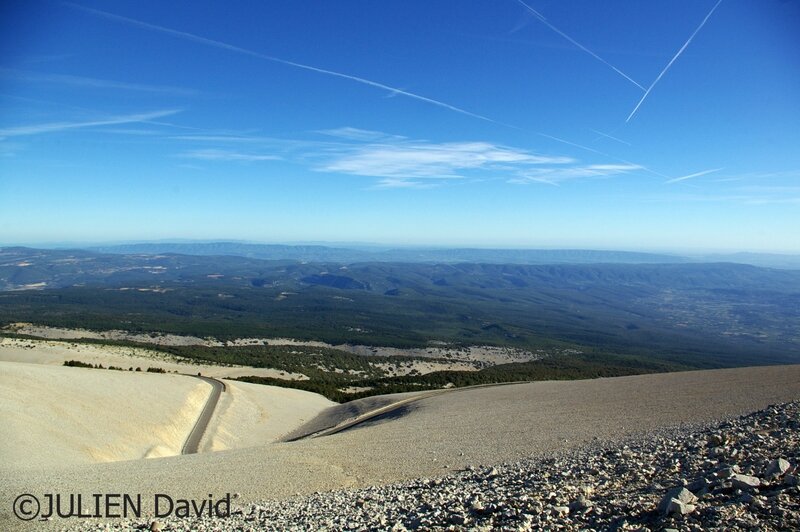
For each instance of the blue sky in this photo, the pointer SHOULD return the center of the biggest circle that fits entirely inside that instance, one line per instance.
(644, 125)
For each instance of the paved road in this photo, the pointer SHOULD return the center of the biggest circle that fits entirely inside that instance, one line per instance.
(193, 440)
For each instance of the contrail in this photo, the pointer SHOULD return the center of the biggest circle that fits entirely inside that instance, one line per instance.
(610, 137)
(579, 45)
(650, 88)
(697, 174)
(551, 137)
(61, 126)
(232, 48)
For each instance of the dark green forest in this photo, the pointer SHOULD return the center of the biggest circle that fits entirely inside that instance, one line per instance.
(621, 318)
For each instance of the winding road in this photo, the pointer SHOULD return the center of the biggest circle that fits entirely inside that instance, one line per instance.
(193, 440)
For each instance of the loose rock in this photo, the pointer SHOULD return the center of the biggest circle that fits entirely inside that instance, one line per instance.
(702, 478)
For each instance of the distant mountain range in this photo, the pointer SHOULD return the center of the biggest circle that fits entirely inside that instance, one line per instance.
(353, 254)
(249, 264)
(765, 260)
(691, 313)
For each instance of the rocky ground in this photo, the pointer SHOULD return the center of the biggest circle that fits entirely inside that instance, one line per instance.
(741, 474)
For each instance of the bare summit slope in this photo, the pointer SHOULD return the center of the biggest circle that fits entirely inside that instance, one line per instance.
(437, 434)
(54, 416)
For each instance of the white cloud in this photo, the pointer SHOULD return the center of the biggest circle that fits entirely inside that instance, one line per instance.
(364, 135)
(217, 138)
(224, 155)
(417, 159)
(555, 175)
(405, 183)
(133, 131)
(399, 162)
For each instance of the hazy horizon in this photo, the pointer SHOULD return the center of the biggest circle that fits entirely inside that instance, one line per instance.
(658, 127)
(387, 245)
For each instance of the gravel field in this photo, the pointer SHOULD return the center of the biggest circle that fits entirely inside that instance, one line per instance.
(737, 475)
(437, 436)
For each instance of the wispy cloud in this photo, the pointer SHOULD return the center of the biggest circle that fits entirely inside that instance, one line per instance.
(576, 43)
(352, 133)
(754, 189)
(556, 175)
(170, 124)
(219, 138)
(397, 162)
(598, 152)
(225, 46)
(91, 83)
(52, 127)
(781, 176)
(406, 183)
(134, 131)
(691, 176)
(224, 155)
(426, 160)
(674, 58)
